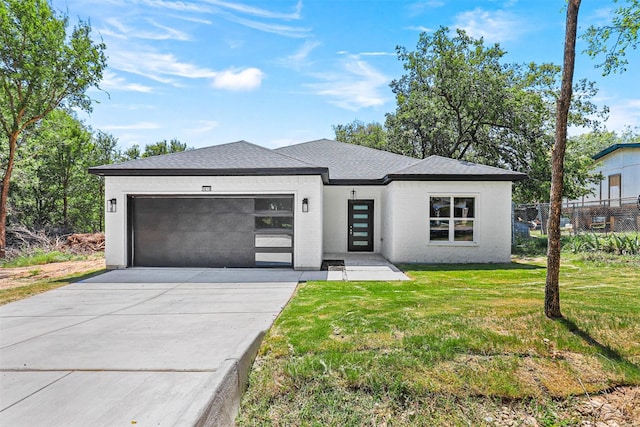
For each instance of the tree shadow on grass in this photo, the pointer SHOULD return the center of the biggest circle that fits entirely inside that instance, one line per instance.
(469, 267)
(603, 349)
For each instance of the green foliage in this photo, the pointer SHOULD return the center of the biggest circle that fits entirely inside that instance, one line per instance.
(42, 68)
(579, 178)
(614, 243)
(613, 40)
(39, 257)
(371, 135)
(52, 188)
(156, 149)
(530, 246)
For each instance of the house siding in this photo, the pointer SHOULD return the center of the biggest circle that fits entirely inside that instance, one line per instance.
(308, 233)
(407, 228)
(335, 215)
(623, 161)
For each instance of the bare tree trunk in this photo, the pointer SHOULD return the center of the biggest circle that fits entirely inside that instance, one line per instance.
(552, 287)
(4, 197)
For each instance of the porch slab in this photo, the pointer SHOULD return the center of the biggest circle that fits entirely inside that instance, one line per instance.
(363, 267)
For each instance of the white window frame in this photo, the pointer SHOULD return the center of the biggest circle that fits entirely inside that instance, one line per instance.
(452, 219)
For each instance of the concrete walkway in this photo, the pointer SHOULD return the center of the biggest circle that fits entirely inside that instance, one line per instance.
(147, 346)
(363, 267)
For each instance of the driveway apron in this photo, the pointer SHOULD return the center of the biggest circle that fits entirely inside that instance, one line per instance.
(143, 347)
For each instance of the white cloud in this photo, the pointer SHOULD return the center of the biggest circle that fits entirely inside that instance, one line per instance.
(622, 114)
(177, 5)
(111, 81)
(203, 126)
(244, 80)
(357, 86)
(377, 54)
(261, 13)
(120, 30)
(133, 126)
(166, 68)
(495, 26)
(419, 28)
(157, 66)
(282, 30)
(419, 7)
(298, 59)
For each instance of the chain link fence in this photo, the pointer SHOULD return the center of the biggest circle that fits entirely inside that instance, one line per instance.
(601, 216)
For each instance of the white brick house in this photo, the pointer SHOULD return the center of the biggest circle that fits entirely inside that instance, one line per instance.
(241, 205)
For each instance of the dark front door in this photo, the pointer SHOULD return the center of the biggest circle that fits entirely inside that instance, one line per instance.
(360, 235)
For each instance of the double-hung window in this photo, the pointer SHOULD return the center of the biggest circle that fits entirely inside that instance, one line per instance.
(452, 219)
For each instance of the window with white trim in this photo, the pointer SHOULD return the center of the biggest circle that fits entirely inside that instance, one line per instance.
(451, 219)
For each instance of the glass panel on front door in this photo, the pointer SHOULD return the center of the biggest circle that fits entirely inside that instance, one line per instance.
(360, 223)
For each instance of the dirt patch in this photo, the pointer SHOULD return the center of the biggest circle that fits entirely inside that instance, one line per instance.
(619, 407)
(24, 276)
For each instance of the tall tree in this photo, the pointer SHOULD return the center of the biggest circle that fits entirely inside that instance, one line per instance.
(105, 151)
(614, 39)
(458, 99)
(624, 29)
(371, 135)
(552, 286)
(164, 147)
(42, 67)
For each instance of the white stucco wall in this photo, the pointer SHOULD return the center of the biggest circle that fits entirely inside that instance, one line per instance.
(408, 223)
(308, 231)
(336, 215)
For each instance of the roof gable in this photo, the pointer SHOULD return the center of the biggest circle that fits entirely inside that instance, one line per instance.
(348, 163)
(236, 158)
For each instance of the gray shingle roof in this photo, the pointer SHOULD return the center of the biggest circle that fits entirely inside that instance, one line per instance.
(348, 162)
(336, 162)
(443, 168)
(236, 158)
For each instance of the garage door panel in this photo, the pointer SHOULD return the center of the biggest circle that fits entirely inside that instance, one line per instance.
(196, 258)
(193, 232)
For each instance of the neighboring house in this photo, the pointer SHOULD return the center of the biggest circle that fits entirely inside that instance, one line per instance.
(619, 164)
(615, 202)
(242, 205)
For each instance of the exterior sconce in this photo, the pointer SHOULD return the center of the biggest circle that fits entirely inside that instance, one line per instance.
(353, 194)
(305, 205)
(111, 205)
(206, 188)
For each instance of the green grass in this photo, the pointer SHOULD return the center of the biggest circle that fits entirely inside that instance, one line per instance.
(39, 257)
(452, 347)
(21, 292)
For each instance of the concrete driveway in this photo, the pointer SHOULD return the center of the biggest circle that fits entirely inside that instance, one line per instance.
(137, 347)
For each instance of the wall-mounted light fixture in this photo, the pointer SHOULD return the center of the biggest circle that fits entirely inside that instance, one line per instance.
(206, 188)
(305, 205)
(111, 205)
(353, 194)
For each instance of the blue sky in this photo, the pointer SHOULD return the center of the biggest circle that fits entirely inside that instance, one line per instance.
(284, 71)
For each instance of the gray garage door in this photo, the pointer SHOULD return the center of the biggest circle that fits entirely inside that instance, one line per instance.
(211, 231)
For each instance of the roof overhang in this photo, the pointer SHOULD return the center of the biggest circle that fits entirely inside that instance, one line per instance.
(516, 176)
(613, 148)
(323, 172)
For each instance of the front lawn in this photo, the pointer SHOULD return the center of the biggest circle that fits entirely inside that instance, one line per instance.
(459, 345)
